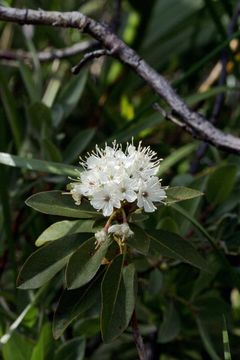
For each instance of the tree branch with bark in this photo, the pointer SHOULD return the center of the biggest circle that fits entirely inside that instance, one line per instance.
(49, 54)
(191, 121)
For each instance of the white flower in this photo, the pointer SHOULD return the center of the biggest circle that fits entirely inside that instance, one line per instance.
(127, 188)
(150, 191)
(90, 182)
(122, 230)
(112, 178)
(106, 199)
(76, 193)
(100, 237)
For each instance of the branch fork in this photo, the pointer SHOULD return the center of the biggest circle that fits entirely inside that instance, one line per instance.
(191, 121)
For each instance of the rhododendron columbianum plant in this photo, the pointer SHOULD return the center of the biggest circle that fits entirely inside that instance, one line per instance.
(108, 233)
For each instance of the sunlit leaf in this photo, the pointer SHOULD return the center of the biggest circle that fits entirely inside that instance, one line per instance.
(46, 262)
(56, 203)
(37, 165)
(64, 228)
(44, 347)
(180, 193)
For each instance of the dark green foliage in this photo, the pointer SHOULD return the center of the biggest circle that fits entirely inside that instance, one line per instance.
(181, 268)
(44, 263)
(118, 298)
(84, 263)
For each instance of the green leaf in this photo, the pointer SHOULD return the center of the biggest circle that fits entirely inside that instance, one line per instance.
(69, 97)
(170, 326)
(27, 77)
(44, 346)
(31, 317)
(51, 151)
(9, 105)
(40, 117)
(233, 274)
(200, 96)
(135, 127)
(17, 348)
(155, 283)
(197, 225)
(169, 224)
(211, 307)
(221, 183)
(180, 193)
(140, 240)
(118, 298)
(176, 156)
(73, 303)
(37, 165)
(174, 246)
(207, 341)
(89, 327)
(205, 279)
(127, 108)
(226, 346)
(71, 350)
(56, 203)
(46, 262)
(78, 145)
(64, 228)
(85, 262)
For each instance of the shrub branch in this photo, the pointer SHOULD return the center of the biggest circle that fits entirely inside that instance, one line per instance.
(200, 127)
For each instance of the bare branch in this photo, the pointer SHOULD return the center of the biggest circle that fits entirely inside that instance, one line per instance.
(220, 98)
(170, 117)
(89, 57)
(48, 55)
(200, 126)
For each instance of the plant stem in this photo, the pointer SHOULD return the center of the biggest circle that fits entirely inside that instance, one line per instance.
(137, 337)
(108, 223)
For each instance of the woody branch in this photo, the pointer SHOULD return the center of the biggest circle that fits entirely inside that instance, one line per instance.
(190, 121)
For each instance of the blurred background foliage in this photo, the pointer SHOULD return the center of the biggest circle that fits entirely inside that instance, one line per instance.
(49, 117)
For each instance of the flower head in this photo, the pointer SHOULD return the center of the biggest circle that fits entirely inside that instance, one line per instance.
(113, 177)
(122, 230)
(100, 237)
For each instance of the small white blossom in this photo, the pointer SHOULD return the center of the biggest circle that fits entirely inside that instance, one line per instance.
(113, 177)
(100, 237)
(150, 191)
(76, 193)
(127, 188)
(106, 199)
(122, 230)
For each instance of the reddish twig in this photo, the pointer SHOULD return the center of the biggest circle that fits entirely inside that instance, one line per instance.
(137, 337)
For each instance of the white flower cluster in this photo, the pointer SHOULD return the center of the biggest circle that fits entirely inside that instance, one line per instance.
(112, 177)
